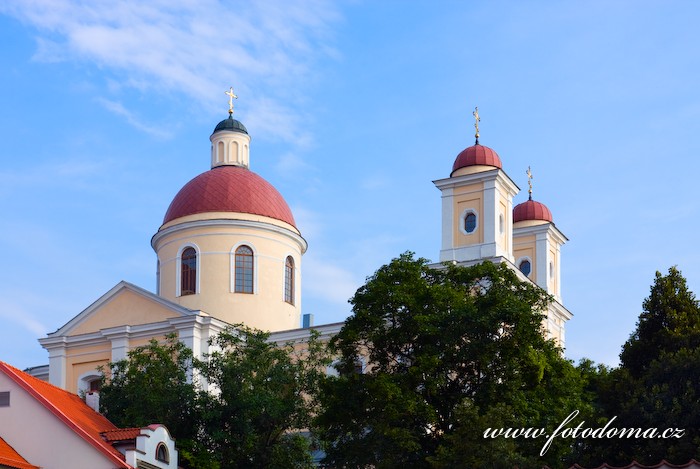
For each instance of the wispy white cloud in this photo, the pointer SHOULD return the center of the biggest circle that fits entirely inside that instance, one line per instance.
(324, 279)
(71, 173)
(292, 164)
(266, 49)
(119, 109)
(23, 318)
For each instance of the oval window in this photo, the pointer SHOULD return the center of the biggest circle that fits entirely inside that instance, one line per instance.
(525, 267)
(470, 222)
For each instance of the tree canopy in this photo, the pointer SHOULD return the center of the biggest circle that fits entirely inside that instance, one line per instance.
(446, 353)
(152, 386)
(265, 394)
(259, 394)
(657, 382)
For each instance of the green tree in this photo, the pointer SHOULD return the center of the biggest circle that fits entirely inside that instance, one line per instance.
(259, 395)
(152, 386)
(265, 394)
(670, 321)
(447, 354)
(657, 383)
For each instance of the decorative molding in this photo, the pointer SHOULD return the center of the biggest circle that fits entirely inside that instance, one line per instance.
(257, 225)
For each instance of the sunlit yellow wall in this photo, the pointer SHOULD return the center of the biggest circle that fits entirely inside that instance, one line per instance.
(126, 308)
(465, 198)
(525, 247)
(266, 308)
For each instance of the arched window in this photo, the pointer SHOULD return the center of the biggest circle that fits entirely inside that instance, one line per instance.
(525, 267)
(244, 270)
(188, 272)
(289, 280)
(162, 453)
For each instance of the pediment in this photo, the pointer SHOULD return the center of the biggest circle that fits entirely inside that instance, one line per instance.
(124, 304)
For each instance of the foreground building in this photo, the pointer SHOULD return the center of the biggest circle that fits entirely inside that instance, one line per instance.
(229, 251)
(44, 426)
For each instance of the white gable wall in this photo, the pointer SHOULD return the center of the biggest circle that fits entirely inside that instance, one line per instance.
(40, 437)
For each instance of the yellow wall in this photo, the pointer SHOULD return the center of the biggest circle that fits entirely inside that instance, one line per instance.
(266, 308)
(82, 359)
(525, 247)
(468, 197)
(126, 308)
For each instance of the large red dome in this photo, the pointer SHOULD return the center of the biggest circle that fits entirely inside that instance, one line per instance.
(531, 210)
(229, 189)
(477, 155)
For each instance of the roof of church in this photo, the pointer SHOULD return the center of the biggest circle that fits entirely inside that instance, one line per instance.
(11, 458)
(531, 210)
(232, 125)
(229, 189)
(71, 410)
(635, 465)
(477, 155)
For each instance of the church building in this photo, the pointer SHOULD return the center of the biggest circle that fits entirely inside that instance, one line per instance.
(229, 251)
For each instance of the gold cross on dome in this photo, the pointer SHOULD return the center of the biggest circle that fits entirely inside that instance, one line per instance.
(529, 182)
(477, 119)
(231, 97)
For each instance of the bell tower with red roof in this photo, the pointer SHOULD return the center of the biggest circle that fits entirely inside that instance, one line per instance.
(477, 205)
(537, 243)
(479, 224)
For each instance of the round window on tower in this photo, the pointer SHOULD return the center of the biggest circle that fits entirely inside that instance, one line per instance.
(525, 267)
(469, 221)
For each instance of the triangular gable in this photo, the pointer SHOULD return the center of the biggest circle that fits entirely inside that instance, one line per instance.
(11, 458)
(124, 304)
(69, 409)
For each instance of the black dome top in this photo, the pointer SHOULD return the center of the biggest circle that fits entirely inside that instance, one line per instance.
(230, 124)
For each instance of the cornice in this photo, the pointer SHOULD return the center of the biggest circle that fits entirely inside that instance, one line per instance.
(221, 222)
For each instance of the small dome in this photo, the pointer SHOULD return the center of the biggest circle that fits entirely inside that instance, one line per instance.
(477, 155)
(230, 124)
(531, 210)
(229, 189)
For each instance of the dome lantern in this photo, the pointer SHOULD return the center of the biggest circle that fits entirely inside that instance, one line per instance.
(230, 142)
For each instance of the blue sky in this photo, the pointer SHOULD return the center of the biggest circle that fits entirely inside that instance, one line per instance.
(354, 107)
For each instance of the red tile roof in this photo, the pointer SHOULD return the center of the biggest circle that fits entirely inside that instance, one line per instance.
(477, 155)
(121, 434)
(531, 210)
(635, 465)
(70, 409)
(229, 189)
(11, 458)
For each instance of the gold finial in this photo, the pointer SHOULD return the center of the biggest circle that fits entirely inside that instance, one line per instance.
(231, 97)
(529, 182)
(476, 123)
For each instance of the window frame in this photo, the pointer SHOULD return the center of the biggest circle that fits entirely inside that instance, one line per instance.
(193, 279)
(290, 280)
(234, 269)
(520, 261)
(463, 221)
(166, 454)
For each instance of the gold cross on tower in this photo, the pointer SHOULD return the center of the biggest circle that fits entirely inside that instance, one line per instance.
(231, 97)
(476, 123)
(529, 182)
